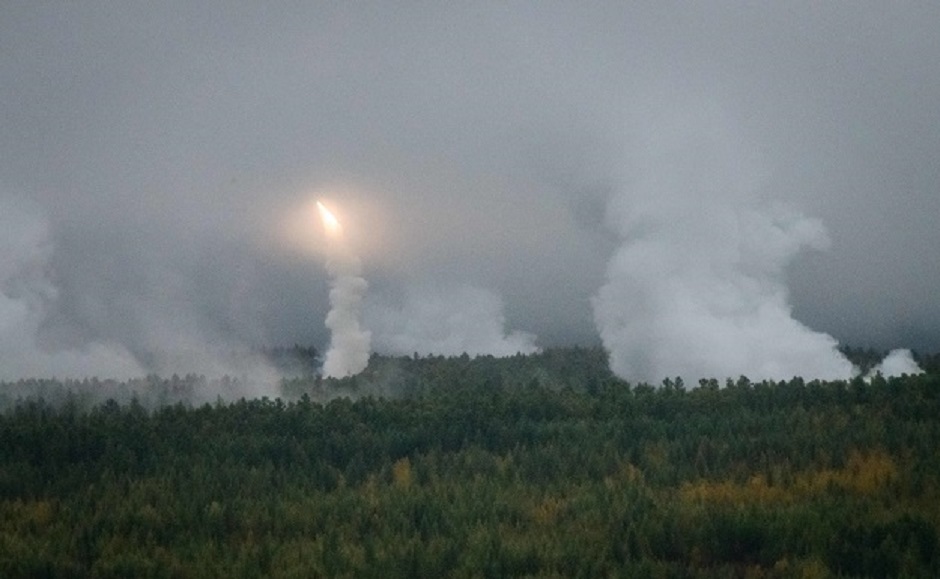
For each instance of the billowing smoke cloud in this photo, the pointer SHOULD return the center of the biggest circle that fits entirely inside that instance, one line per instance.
(696, 288)
(27, 292)
(448, 322)
(896, 363)
(349, 343)
(162, 336)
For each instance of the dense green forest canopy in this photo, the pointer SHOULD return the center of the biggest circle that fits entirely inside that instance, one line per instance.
(539, 465)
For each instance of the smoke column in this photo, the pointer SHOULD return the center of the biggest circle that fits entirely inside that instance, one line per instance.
(349, 344)
(896, 363)
(696, 288)
(27, 294)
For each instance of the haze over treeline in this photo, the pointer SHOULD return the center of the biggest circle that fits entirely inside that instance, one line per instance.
(707, 190)
(299, 373)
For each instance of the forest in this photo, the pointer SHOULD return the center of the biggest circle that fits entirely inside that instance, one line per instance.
(541, 465)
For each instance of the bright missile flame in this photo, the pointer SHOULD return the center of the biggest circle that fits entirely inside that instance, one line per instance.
(330, 222)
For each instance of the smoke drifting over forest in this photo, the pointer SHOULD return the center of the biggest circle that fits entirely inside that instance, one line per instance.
(449, 322)
(26, 292)
(704, 190)
(897, 363)
(697, 286)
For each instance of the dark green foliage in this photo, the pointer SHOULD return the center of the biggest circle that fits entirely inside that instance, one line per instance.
(880, 549)
(542, 465)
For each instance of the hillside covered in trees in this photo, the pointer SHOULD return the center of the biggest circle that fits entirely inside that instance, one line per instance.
(543, 465)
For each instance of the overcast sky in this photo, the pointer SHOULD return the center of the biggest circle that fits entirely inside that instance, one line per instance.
(155, 157)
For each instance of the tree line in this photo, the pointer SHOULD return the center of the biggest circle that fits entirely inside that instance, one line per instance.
(540, 465)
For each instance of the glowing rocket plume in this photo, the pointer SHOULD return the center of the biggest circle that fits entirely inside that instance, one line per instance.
(330, 222)
(349, 344)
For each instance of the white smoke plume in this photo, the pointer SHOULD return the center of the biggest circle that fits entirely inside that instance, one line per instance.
(696, 288)
(349, 343)
(27, 293)
(896, 363)
(447, 322)
(163, 336)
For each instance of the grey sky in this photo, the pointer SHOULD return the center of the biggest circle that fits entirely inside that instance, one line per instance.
(466, 144)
